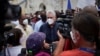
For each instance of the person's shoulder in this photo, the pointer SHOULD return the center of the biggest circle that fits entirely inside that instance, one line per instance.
(45, 24)
(18, 26)
(67, 53)
(43, 27)
(70, 53)
(29, 25)
(75, 52)
(42, 54)
(16, 47)
(38, 22)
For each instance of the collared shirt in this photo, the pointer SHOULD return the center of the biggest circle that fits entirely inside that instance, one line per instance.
(51, 33)
(38, 25)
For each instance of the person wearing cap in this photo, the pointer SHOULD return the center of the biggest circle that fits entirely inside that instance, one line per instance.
(85, 36)
(34, 44)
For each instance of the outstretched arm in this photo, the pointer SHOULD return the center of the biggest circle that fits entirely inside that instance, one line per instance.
(60, 45)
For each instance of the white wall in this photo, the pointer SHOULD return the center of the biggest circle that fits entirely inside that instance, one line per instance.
(50, 4)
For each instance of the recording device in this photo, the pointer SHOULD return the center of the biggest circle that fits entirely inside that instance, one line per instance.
(65, 24)
(52, 48)
(65, 27)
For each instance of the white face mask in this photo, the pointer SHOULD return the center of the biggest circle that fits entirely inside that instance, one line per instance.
(73, 38)
(39, 16)
(25, 21)
(15, 22)
(50, 21)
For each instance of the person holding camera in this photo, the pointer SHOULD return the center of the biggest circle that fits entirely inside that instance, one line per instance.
(85, 36)
(50, 29)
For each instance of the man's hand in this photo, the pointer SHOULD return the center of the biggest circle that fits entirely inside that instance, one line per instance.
(60, 45)
(46, 45)
(59, 35)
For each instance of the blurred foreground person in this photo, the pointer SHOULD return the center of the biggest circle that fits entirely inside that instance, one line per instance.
(91, 9)
(85, 36)
(14, 46)
(34, 44)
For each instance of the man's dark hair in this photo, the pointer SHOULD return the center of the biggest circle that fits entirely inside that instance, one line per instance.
(88, 26)
(91, 9)
(43, 15)
(37, 12)
(14, 37)
(57, 13)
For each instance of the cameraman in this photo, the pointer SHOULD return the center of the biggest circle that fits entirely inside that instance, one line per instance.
(85, 36)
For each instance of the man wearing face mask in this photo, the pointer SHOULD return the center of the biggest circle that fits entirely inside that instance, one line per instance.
(40, 22)
(25, 28)
(50, 29)
(85, 36)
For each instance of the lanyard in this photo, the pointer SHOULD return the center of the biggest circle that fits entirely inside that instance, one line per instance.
(87, 50)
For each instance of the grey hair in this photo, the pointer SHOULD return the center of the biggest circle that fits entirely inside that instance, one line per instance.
(51, 11)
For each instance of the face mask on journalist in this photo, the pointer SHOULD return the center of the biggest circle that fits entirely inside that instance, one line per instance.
(50, 21)
(73, 37)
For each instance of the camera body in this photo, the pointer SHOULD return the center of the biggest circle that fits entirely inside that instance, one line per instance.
(64, 27)
(65, 23)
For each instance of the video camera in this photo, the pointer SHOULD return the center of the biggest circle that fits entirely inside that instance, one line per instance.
(65, 27)
(65, 23)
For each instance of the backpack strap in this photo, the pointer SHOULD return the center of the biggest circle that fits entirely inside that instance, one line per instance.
(23, 52)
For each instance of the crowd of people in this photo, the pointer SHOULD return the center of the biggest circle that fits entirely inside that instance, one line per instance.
(39, 34)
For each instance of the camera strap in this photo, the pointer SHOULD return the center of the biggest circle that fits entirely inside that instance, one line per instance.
(87, 50)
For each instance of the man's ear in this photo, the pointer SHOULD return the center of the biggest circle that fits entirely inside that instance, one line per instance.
(77, 35)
